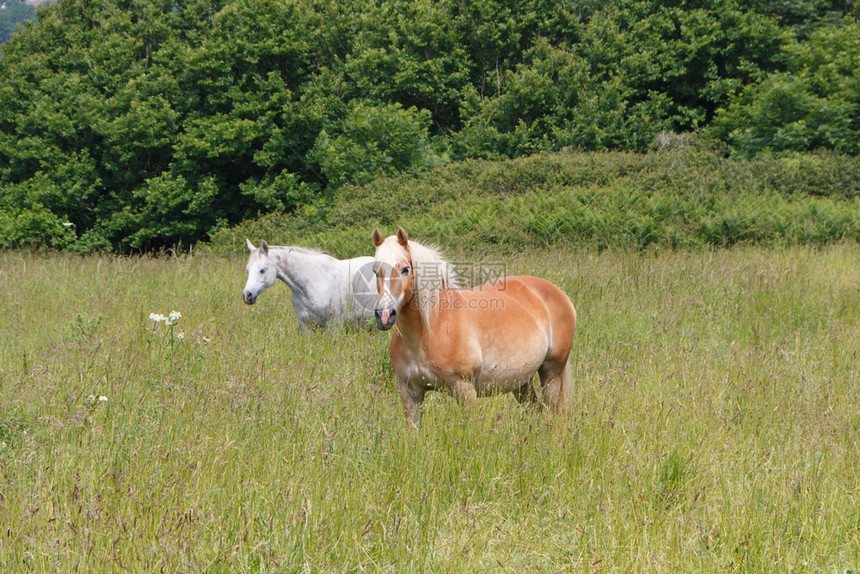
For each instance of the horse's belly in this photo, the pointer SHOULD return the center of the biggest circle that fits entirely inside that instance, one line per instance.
(494, 381)
(490, 377)
(495, 355)
(502, 374)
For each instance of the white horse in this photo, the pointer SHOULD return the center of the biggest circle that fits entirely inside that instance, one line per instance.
(322, 286)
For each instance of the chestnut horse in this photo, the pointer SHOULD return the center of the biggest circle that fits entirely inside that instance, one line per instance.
(470, 342)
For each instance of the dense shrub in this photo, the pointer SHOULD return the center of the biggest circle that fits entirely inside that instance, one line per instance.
(686, 199)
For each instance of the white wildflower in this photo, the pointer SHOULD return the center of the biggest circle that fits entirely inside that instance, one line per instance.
(175, 316)
(102, 399)
(157, 317)
(91, 399)
(180, 336)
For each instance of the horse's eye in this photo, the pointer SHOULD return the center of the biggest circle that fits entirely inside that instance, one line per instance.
(405, 270)
(262, 271)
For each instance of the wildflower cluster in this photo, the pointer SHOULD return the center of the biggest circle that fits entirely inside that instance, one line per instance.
(101, 399)
(170, 320)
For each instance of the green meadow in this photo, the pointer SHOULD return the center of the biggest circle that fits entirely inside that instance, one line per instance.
(714, 424)
(687, 172)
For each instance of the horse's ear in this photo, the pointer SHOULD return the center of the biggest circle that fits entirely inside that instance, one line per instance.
(264, 247)
(249, 244)
(402, 237)
(378, 239)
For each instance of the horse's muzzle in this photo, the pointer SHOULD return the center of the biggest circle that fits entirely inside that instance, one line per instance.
(385, 318)
(248, 298)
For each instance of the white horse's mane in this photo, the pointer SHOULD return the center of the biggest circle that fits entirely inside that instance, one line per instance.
(432, 273)
(302, 250)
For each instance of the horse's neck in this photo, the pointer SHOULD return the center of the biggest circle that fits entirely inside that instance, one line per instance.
(411, 324)
(296, 276)
(304, 272)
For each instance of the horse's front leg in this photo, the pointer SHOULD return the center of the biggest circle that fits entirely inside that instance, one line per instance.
(464, 391)
(412, 397)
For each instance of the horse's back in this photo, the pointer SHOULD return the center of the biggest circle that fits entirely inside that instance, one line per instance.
(557, 303)
(544, 297)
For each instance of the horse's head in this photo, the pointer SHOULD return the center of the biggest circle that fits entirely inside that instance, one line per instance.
(394, 276)
(262, 272)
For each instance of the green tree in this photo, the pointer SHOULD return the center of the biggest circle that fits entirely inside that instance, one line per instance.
(374, 140)
(815, 103)
(407, 52)
(143, 123)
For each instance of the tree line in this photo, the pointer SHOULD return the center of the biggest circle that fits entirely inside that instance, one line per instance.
(12, 13)
(137, 124)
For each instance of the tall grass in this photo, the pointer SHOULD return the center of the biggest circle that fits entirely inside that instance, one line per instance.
(714, 428)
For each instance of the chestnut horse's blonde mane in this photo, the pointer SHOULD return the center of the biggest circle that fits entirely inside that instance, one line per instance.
(432, 273)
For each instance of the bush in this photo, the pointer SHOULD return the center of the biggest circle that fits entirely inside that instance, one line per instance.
(687, 199)
(25, 221)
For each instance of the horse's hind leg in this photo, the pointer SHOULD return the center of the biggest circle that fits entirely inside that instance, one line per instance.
(557, 384)
(526, 394)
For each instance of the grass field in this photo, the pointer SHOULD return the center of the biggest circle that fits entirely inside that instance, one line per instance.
(715, 426)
